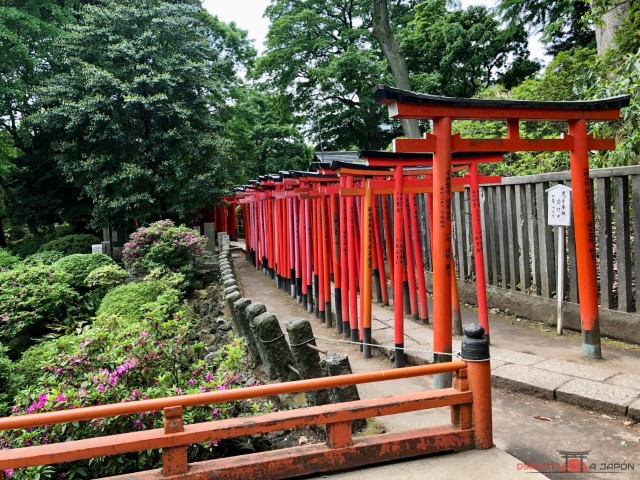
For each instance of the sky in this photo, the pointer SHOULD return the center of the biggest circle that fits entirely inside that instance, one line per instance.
(248, 15)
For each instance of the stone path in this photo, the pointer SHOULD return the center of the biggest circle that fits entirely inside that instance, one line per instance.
(531, 362)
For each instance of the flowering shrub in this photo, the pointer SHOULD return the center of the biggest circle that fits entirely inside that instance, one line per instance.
(106, 278)
(43, 258)
(118, 360)
(70, 244)
(165, 246)
(29, 298)
(79, 265)
(7, 260)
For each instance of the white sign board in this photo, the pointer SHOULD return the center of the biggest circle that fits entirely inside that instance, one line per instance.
(559, 205)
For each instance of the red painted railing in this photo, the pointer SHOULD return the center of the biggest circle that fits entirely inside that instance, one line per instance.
(469, 399)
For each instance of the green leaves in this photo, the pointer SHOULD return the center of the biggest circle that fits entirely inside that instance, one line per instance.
(460, 52)
(134, 111)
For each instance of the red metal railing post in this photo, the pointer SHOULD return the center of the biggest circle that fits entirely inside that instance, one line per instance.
(174, 460)
(585, 240)
(339, 435)
(475, 351)
(442, 247)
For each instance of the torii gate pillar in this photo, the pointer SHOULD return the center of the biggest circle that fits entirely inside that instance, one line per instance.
(585, 239)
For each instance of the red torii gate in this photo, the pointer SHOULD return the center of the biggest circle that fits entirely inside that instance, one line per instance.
(442, 331)
(443, 110)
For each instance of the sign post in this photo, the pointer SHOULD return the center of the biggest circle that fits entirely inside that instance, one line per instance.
(559, 215)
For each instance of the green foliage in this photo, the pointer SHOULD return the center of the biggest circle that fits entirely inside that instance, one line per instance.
(320, 56)
(618, 75)
(135, 111)
(10, 381)
(461, 51)
(263, 136)
(71, 244)
(43, 258)
(30, 297)
(129, 301)
(118, 360)
(105, 278)
(79, 265)
(7, 261)
(565, 24)
(163, 245)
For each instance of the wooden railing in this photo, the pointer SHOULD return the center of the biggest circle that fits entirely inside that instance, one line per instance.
(469, 399)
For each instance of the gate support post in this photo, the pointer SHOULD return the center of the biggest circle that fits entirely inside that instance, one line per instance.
(585, 240)
(441, 250)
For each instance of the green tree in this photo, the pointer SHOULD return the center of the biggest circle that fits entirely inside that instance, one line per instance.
(135, 109)
(461, 51)
(564, 24)
(35, 192)
(320, 54)
(264, 136)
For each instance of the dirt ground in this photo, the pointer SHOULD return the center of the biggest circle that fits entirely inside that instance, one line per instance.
(530, 429)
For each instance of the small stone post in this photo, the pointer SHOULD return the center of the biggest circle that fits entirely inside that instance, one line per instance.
(239, 307)
(334, 364)
(252, 311)
(307, 360)
(231, 299)
(277, 352)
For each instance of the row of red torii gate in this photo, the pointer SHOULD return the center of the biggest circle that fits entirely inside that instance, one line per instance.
(355, 223)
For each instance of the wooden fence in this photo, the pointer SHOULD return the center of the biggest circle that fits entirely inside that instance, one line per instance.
(520, 255)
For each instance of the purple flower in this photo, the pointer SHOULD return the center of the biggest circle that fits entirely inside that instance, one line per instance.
(191, 382)
(61, 398)
(138, 424)
(208, 377)
(101, 388)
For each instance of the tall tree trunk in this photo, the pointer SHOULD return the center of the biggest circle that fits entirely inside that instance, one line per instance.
(611, 20)
(395, 57)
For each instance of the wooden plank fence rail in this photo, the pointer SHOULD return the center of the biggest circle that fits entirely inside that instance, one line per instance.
(520, 247)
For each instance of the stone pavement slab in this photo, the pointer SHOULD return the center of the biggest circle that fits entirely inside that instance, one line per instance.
(634, 410)
(495, 464)
(625, 380)
(598, 396)
(530, 380)
(511, 356)
(576, 369)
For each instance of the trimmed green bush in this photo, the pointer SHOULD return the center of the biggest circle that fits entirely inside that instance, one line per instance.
(43, 258)
(106, 278)
(128, 301)
(70, 244)
(31, 297)
(79, 265)
(7, 260)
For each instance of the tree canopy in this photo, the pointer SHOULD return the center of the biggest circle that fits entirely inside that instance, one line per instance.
(113, 111)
